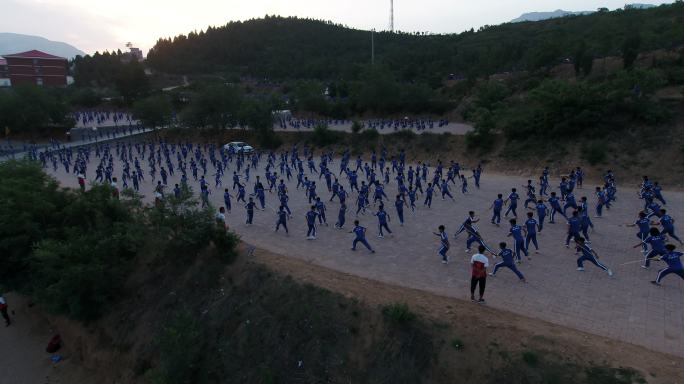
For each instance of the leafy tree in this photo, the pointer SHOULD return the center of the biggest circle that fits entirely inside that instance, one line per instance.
(216, 106)
(153, 111)
(630, 50)
(131, 81)
(30, 109)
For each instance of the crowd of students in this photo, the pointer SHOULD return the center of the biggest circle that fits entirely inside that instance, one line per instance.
(328, 179)
(417, 124)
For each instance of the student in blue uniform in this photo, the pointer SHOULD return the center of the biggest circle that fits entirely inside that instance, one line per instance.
(667, 223)
(516, 232)
(320, 209)
(250, 210)
(311, 223)
(360, 233)
(531, 232)
(600, 201)
(513, 197)
(445, 190)
(496, 207)
(644, 225)
(541, 213)
(588, 254)
(226, 198)
(444, 244)
(674, 264)
(412, 198)
(282, 219)
(507, 261)
(241, 193)
(428, 195)
(341, 216)
(399, 205)
(574, 228)
(657, 242)
(555, 208)
(383, 219)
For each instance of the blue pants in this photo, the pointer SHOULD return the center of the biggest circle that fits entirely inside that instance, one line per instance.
(362, 241)
(250, 216)
(287, 209)
(443, 252)
(472, 239)
(262, 201)
(321, 217)
(510, 266)
(555, 210)
(540, 224)
(447, 193)
(591, 259)
(642, 236)
(384, 225)
(428, 201)
(284, 224)
(400, 214)
(568, 205)
(529, 201)
(520, 246)
(496, 216)
(670, 232)
(653, 254)
(571, 235)
(340, 221)
(512, 208)
(666, 271)
(311, 231)
(585, 231)
(531, 237)
(599, 209)
(227, 203)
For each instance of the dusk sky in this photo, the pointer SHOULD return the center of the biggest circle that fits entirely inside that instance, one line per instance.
(93, 25)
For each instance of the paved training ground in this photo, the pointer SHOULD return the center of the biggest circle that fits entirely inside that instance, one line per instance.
(626, 307)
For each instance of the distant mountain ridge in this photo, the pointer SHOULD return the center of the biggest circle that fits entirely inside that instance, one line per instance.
(15, 43)
(538, 16)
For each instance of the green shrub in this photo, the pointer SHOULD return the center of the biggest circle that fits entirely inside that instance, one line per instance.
(594, 152)
(180, 344)
(226, 244)
(398, 314)
(530, 358)
(370, 135)
(356, 127)
(322, 136)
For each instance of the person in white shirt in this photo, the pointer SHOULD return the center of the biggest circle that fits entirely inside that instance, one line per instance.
(479, 263)
(221, 218)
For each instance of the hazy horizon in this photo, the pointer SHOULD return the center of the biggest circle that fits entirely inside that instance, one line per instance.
(99, 25)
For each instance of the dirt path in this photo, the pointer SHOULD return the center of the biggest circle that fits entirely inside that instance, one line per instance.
(626, 307)
(23, 359)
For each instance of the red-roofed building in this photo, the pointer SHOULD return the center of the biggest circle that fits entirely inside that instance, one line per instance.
(36, 67)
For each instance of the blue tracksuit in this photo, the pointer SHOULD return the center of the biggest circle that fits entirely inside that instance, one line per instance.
(507, 256)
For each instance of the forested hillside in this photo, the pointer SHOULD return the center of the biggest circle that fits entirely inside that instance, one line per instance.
(285, 48)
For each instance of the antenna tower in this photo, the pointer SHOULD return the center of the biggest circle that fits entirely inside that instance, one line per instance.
(391, 15)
